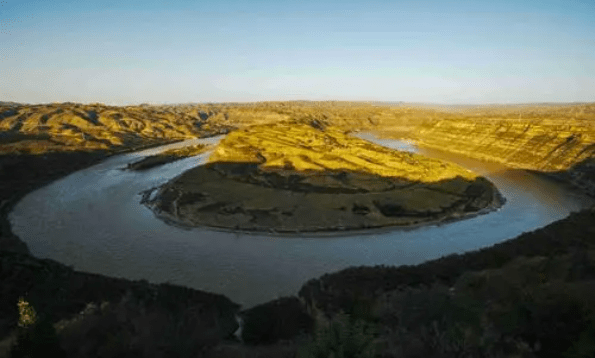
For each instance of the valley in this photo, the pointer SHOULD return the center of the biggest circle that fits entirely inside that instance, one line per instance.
(41, 143)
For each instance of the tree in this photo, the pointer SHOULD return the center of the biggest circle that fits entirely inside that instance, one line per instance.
(36, 336)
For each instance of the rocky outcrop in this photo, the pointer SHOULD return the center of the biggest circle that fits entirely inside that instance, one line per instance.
(298, 178)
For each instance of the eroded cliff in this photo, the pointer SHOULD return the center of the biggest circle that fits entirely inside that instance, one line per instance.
(543, 138)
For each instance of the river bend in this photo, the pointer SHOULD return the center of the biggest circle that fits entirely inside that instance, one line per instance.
(93, 221)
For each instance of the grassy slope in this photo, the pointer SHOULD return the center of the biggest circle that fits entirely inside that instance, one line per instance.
(296, 147)
(543, 138)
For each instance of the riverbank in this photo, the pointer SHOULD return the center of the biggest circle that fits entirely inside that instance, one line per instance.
(74, 301)
(542, 281)
(333, 232)
(23, 173)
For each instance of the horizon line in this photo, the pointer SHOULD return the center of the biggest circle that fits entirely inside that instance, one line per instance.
(400, 103)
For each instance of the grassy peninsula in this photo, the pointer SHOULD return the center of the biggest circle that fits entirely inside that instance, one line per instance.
(300, 177)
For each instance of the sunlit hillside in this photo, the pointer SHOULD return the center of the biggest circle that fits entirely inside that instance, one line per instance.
(540, 137)
(66, 127)
(545, 138)
(294, 147)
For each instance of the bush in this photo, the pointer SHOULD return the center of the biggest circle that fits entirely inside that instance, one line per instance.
(268, 323)
(342, 337)
(36, 336)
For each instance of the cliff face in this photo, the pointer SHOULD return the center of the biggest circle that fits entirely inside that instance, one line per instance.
(546, 139)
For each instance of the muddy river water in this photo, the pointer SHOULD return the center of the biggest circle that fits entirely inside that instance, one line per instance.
(93, 221)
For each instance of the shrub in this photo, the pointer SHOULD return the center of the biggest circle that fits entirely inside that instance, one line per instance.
(36, 336)
(268, 323)
(342, 337)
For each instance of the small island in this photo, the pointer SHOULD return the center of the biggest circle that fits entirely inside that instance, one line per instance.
(168, 156)
(299, 177)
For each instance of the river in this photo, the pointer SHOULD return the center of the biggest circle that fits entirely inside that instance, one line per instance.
(93, 221)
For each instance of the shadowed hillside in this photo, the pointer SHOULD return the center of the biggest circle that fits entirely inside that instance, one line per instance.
(96, 315)
(531, 296)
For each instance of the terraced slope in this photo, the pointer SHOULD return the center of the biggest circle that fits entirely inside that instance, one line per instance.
(545, 138)
(293, 177)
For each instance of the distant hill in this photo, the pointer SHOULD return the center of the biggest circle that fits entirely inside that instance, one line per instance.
(545, 137)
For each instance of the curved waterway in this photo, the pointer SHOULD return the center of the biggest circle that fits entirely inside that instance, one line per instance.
(93, 221)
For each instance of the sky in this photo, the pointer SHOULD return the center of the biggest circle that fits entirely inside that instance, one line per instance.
(444, 52)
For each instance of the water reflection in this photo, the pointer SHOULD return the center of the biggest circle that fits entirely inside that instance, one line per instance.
(402, 145)
(92, 220)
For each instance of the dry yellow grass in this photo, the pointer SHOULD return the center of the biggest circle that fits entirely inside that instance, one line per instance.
(546, 138)
(67, 127)
(296, 147)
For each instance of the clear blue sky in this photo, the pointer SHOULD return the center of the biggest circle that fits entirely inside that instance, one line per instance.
(126, 52)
